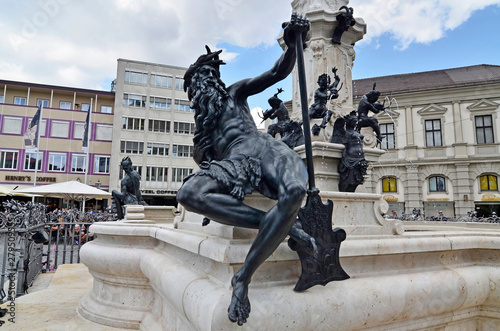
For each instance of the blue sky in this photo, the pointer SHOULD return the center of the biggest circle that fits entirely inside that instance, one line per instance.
(473, 42)
(77, 42)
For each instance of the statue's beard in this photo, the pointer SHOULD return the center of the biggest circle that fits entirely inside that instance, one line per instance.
(208, 102)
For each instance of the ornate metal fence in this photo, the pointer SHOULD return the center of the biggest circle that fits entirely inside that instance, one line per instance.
(33, 241)
(471, 217)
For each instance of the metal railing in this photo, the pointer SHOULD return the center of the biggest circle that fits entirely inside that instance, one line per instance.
(35, 241)
(471, 217)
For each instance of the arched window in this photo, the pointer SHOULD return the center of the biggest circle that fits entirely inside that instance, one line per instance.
(489, 183)
(437, 184)
(389, 184)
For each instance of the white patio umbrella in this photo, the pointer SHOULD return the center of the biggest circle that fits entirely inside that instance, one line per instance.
(72, 190)
(5, 190)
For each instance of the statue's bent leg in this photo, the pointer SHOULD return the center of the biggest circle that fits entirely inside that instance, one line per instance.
(326, 119)
(274, 227)
(200, 194)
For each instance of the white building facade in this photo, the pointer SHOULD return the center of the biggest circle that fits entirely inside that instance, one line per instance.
(154, 126)
(442, 140)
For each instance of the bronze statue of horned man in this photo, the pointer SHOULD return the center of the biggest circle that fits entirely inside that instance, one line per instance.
(235, 159)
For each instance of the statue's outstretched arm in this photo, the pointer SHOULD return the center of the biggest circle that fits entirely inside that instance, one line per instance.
(283, 66)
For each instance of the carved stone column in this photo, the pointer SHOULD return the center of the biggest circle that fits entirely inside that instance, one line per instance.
(321, 55)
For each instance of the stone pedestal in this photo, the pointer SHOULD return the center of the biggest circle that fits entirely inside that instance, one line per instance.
(151, 276)
(153, 213)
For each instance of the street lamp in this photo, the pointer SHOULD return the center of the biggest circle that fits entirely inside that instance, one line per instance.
(98, 184)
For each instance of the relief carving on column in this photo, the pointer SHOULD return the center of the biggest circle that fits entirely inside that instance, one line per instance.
(306, 6)
(346, 93)
(318, 48)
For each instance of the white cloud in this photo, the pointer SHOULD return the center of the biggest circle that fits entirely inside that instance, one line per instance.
(421, 21)
(228, 56)
(77, 42)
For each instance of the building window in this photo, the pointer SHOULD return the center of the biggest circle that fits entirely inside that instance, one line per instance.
(78, 163)
(59, 129)
(78, 130)
(437, 184)
(433, 133)
(133, 123)
(33, 160)
(43, 127)
(178, 174)
(12, 125)
(133, 77)
(161, 81)
(20, 101)
(106, 109)
(182, 105)
(65, 105)
(183, 128)
(387, 131)
(159, 103)
(104, 132)
(85, 107)
(8, 159)
(101, 164)
(136, 168)
(182, 150)
(484, 129)
(389, 184)
(156, 174)
(179, 83)
(42, 102)
(131, 147)
(57, 162)
(158, 149)
(489, 183)
(1, 99)
(159, 126)
(134, 100)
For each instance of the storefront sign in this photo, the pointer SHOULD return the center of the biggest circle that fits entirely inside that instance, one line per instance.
(154, 192)
(29, 179)
(490, 197)
(390, 198)
(46, 179)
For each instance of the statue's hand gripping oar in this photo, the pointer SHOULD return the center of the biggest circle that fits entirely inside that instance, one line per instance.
(315, 218)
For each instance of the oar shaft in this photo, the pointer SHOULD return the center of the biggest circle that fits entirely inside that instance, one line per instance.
(305, 114)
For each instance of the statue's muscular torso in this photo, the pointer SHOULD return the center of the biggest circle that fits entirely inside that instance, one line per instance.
(234, 126)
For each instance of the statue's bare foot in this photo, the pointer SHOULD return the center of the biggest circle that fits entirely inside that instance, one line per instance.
(239, 309)
(301, 236)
